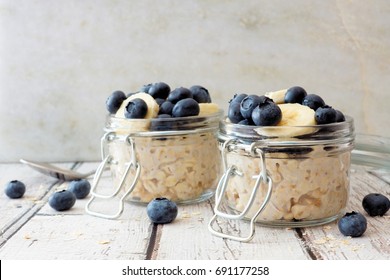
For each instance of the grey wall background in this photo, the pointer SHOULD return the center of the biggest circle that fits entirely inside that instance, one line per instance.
(59, 60)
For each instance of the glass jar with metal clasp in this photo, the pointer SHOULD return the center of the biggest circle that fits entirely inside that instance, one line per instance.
(175, 158)
(283, 176)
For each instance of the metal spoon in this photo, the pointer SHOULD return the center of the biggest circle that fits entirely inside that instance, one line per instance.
(56, 172)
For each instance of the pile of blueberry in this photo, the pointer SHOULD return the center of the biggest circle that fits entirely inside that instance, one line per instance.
(263, 111)
(61, 200)
(180, 102)
(354, 224)
(253, 110)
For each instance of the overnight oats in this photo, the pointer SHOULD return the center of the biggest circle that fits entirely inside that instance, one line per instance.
(162, 143)
(287, 159)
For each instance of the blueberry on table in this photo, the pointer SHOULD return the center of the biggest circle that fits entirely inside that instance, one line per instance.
(339, 116)
(376, 204)
(267, 113)
(234, 113)
(166, 108)
(179, 94)
(161, 210)
(352, 224)
(248, 104)
(186, 108)
(136, 109)
(80, 188)
(62, 200)
(325, 115)
(114, 101)
(200, 94)
(295, 95)
(159, 90)
(313, 101)
(15, 189)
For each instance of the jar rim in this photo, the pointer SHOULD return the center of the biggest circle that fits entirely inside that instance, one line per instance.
(158, 126)
(333, 131)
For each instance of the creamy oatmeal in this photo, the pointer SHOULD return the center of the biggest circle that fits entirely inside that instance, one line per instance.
(181, 168)
(308, 187)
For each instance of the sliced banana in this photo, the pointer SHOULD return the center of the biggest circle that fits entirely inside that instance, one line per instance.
(137, 125)
(208, 109)
(296, 120)
(277, 96)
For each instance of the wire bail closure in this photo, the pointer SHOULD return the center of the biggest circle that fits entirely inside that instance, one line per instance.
(107, 159)
(231, 171)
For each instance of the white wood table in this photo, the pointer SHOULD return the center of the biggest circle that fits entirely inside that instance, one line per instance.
(30, 229)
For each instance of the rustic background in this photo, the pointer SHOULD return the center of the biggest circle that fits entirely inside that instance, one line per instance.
(59, 60)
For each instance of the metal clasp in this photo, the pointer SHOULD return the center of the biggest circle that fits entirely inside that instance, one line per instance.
(231, 171)
(107, 159)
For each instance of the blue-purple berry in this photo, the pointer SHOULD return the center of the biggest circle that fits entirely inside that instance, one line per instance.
(62, 200)
(376, 204)
(162, 210)
(80, 188)
(352, 224)
(15, 189)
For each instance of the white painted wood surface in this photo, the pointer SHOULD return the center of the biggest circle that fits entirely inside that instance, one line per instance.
(31, 229)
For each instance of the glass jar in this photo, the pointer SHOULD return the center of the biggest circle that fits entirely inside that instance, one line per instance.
(175, 158)
(284, 176)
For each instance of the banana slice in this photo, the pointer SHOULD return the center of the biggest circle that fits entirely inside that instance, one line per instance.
(137, 125)
(208, 109)
(296, 120)
(277, 96)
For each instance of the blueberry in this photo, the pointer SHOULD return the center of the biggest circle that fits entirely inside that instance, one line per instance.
(159, 101)
(62, 200)
(266, 113)
(136, 109)
(238, 97)
(161, 210)
(339, 116)
(295, 95)
(164, 116)
(80, 188)
(145, 88)
(376, 204)
(159, 90)
(234, 113)
(15, 189)
(179, 94)
(246, 122)
(200, 94)
(352, 224)
(313, 101)
(166, 108)
(248, 104)
(185, 108)
(160, 123)
(325, 114)
(114, 101)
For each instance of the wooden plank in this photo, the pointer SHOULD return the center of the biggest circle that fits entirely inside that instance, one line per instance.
(328, 243)
(73, 234)
(188, 238)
